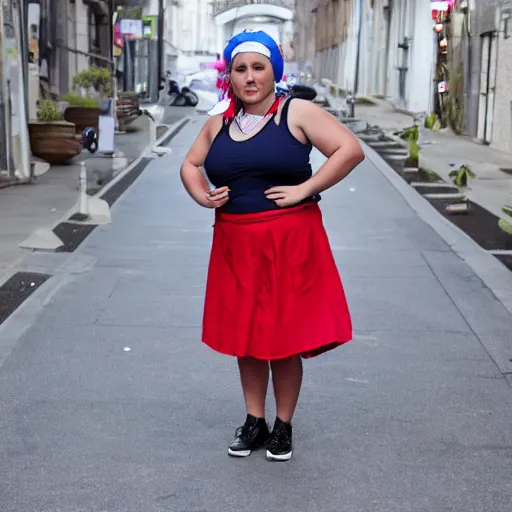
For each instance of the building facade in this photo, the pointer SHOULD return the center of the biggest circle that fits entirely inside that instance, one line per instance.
(305, 34)
(191, 27)
(381, 47)
(14, 145)
(44, 43)
(480, 64)
(489, 108)
(393, 49)
(501, 136)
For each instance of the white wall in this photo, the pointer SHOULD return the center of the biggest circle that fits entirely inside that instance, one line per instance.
(190, 26)
(347, 52)
(378, 73)
(502, 117)
(78, 37)
(373, 54)
(420, 79)
(272, 29)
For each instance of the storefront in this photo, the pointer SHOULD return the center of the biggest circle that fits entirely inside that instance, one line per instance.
(14, 141)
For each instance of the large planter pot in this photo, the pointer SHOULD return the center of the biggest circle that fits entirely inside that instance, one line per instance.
(56, 142)
(82, 118)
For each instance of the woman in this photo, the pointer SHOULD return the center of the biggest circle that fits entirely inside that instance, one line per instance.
(273, 294)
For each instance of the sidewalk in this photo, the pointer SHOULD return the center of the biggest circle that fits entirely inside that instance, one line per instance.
(25, 208)
(110, 402)
(492, 187)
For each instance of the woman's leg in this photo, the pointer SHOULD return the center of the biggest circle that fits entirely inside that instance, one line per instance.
(254, 375)
(287, 380)
(254, 433)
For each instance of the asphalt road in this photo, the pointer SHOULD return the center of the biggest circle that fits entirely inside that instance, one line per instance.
(110, 403)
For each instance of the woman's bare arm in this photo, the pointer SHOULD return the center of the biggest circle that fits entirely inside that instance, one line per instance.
(191, 175)
(332, 139)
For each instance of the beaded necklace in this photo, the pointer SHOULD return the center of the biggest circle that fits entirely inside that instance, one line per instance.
(249, 122)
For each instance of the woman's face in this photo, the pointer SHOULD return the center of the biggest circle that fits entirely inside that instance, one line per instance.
(252, 77)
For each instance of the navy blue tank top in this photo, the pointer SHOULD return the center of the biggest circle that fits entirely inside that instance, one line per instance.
(272, 157)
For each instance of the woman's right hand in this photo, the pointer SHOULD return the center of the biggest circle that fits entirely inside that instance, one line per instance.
(217, 197)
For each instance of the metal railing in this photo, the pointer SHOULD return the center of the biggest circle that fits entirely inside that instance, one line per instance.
(220, 6)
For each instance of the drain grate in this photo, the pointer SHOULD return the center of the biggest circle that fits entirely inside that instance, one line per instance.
(72, 235)
(506, 259)
(17, 289)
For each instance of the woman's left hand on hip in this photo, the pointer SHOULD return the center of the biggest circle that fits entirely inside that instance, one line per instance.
(285, 196)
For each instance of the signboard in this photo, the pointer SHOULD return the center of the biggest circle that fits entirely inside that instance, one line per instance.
(446, 5)
(149, 27)
(131, 27)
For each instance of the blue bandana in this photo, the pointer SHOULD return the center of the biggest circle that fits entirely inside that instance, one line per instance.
(259, 42)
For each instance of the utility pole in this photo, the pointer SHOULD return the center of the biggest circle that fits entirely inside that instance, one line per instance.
(160, 47)
(358, 50)
(5, 149)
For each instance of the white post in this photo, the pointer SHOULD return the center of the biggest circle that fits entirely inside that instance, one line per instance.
(83, 207)
(152, 132)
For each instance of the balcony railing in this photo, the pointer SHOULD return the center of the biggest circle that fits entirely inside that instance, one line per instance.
(220, 6)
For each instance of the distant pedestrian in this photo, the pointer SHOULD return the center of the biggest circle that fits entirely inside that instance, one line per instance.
(273, 294)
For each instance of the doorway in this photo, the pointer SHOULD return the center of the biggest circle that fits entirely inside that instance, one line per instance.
(487, 87)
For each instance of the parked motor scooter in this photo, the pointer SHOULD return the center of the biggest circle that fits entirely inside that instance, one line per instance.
(183, 97)
(296, 90)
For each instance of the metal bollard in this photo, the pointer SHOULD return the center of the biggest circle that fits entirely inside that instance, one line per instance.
(351, 100)
(82, 213)
(152, 132)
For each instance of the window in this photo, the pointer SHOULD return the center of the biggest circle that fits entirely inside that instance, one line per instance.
(94, 40)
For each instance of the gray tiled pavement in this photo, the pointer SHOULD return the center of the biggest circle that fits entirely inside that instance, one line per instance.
(412, 416)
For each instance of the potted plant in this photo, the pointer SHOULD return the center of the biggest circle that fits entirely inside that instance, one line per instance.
(52, 138)
(412, 135)
(95, 82)
(83, 112)
(432, 122)
(505, 225)
(460, 178)
(89, 87)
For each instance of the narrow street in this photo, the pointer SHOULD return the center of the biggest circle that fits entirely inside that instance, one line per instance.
(110, 403)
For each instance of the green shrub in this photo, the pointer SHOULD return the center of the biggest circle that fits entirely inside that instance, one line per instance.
(432, 122)
(98, 78)
(48, 111)
(503, 224)
(410, 133)
(75, 100)
(461, 177)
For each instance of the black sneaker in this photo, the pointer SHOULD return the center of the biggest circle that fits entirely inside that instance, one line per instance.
(253, 434)
(279, 447)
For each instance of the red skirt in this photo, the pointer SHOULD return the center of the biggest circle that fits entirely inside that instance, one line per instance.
(273, 288)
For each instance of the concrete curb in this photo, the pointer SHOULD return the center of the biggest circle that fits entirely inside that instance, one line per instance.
(425, 163)
(489, 269)
(172, 129)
